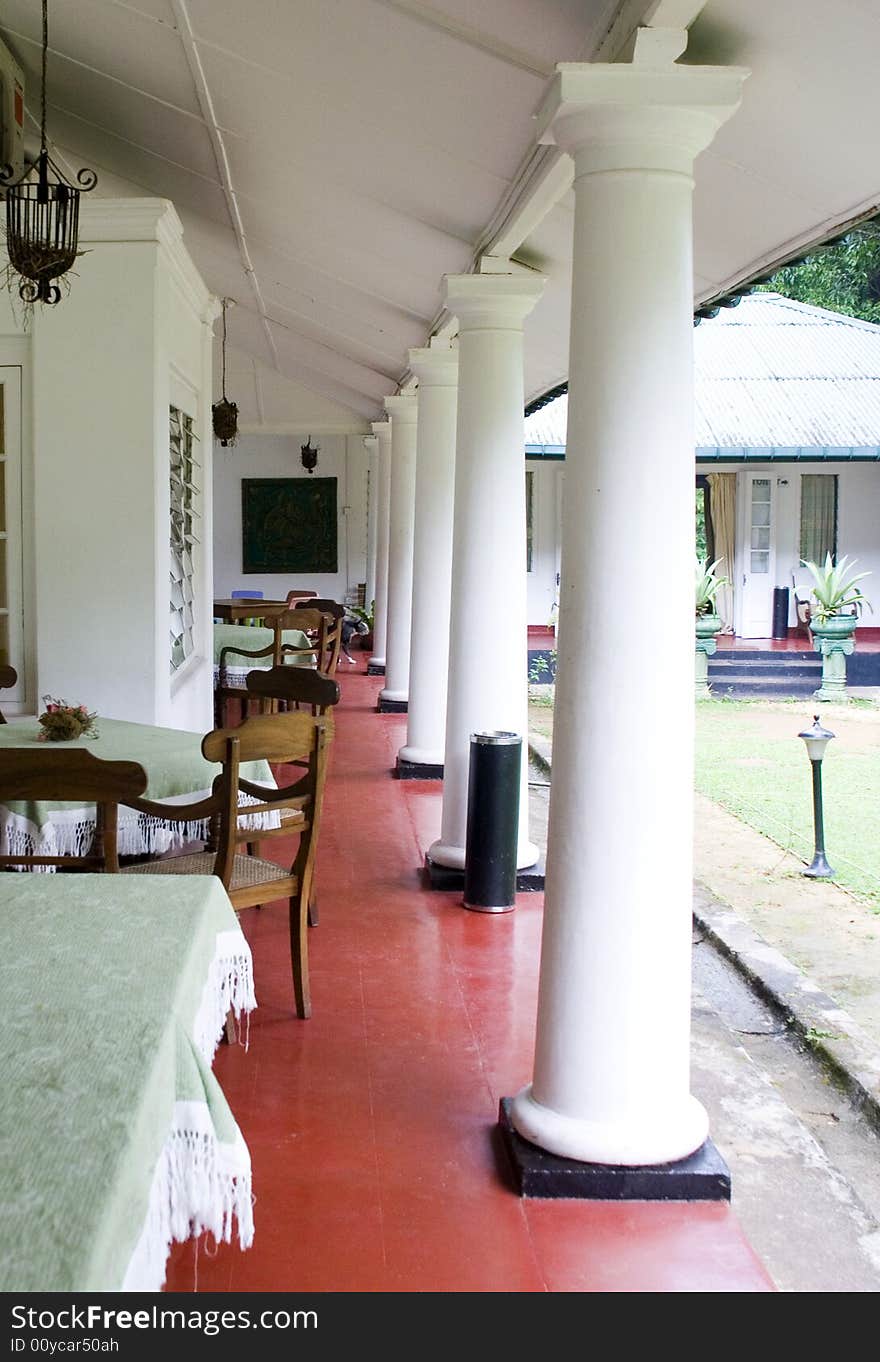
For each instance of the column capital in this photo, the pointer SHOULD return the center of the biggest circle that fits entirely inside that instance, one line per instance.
(404, 408)
(371, 443)
(381, 429)
(496, 301)
(435, 367)
(613, 116)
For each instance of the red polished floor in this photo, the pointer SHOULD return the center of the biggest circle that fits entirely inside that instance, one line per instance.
(371, 1125)
(867, 641)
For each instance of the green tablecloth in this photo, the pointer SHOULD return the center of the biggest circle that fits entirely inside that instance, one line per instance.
(175, 768)
(115, 1137)
(238, 635)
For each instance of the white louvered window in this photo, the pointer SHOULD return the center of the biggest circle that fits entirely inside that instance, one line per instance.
(185, 502)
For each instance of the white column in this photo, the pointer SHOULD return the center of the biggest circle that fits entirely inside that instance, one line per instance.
(371, 445)
(488, 644)
(611, 1077)
(437, 371)
(382, 431)
(403, 411)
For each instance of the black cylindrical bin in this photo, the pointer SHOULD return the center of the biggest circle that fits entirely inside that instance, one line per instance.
(780, 612)
(492, 822)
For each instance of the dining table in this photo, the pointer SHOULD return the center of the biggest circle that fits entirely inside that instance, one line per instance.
(236, 667)
(115, 1135)
(177, 773)
(230, 610)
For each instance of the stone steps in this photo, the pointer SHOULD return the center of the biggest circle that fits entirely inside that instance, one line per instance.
(747, 673)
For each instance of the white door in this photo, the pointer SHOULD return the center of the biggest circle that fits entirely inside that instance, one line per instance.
(757, 555)
(542, 503)
(11, 633)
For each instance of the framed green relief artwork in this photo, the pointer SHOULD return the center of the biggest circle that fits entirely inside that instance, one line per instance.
(289, 524)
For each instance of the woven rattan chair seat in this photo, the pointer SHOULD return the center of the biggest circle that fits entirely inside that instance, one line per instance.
(247, 871)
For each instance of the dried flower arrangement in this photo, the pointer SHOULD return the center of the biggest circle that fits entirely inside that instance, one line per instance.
(61, 722)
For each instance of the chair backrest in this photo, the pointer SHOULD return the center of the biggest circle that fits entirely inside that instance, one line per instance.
(296, 685)
(297, 739)
(334, 614)
(8, 678)
(294, 596)
(307, 621)
(71, 775)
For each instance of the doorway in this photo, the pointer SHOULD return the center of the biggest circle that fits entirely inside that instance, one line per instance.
(756, 557)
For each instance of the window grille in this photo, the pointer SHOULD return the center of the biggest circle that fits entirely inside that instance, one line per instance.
(185, 500)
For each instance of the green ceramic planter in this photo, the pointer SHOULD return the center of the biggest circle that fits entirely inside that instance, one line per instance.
(833, 638)
(706, 627)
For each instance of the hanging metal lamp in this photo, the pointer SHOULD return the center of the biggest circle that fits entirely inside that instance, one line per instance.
(42, 214)
(309, 455)
(224, 412)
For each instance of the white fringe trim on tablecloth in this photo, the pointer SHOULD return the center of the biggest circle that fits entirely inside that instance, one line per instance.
(69, 832)
(237, 676)
(199, 1184)
(229, 986)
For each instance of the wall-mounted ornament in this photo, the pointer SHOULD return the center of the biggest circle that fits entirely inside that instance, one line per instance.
(42, 213)
(309, 455)
(225, 413)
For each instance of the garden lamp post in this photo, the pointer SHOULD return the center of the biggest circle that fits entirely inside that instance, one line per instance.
(816, 739)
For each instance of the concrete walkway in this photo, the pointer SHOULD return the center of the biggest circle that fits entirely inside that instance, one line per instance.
(809, 948)
(785, 974)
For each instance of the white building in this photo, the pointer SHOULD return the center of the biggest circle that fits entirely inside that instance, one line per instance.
(787, 435)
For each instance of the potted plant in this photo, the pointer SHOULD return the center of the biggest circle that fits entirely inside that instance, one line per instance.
(708, 582)
(836, 604)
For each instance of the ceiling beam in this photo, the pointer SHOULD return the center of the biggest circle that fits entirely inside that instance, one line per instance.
(96, 71)
(206, 104)
(473, 37)
(546, 173)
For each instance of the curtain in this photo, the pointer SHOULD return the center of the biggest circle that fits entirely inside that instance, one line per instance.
(818, 516)
(722, 506)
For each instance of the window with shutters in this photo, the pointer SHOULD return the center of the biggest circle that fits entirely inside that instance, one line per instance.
(185, 502)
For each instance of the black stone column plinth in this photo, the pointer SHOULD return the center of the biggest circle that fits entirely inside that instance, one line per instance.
(702, 1176)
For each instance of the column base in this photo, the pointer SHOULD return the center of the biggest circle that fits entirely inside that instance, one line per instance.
(385, 705)
(375, 668)
(449, 877)
(417, 770)
(702, 1176)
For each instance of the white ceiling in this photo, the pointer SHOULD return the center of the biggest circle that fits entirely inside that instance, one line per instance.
(332, 159)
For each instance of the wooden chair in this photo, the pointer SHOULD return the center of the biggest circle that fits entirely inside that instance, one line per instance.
(74, 775)
(334, 614)
(803, 611)
(253, 620)
(8, 678)
(310, 622)
(295, 687)
(249, 880)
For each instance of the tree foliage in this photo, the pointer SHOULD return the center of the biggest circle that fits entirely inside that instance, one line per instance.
(843, 277)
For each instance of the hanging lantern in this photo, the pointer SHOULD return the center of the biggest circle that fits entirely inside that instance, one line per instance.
(224, 412)
(309, 455)
(42, 215)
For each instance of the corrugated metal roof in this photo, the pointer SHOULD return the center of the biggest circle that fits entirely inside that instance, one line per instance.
(772, 373)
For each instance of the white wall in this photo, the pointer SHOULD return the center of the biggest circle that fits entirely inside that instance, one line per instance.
(133, 333)
(278, 456)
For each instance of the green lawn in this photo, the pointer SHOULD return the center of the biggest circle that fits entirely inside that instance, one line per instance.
(750, 760)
